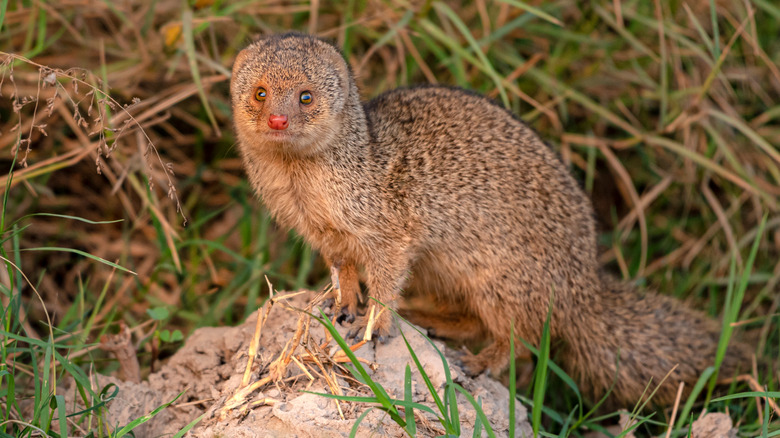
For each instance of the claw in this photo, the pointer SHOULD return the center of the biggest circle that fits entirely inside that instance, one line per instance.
(356, 333)
(346, 316)
(469, 363)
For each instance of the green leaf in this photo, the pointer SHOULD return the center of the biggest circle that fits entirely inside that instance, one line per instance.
(158, 313)
(165, 336)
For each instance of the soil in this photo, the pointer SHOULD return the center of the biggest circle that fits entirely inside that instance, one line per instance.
(295, 354)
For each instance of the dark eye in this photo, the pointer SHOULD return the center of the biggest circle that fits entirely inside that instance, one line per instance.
(306, 98)
(260, 94)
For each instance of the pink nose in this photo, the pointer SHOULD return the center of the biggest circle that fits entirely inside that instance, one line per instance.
(277, 121)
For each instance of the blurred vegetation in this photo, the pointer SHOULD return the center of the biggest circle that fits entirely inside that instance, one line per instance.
(116, 150)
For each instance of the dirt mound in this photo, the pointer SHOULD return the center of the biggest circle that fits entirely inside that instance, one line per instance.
(295, 354)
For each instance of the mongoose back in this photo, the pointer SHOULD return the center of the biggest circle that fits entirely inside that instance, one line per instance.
(441, 191)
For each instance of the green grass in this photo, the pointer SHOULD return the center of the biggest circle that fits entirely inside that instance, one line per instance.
(447, 412)
(672, 109)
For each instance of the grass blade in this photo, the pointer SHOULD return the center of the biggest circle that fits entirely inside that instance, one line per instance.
(356, 426)
(451, 400)
(715, 31)
(363, 399)
(65, 216)
(444, 419)
(540, 378)
(189, 48)
(734, 303)
(82, 253)
(485, 62)
(743, 127)
(189, 426)
(3, 8)
(478, 424)
(512, 380)
(143, 419)
(411, 425)
(533, 10)
(378, 390)
(697, 388)
(480, 413)
(749, 394)
(59, 401)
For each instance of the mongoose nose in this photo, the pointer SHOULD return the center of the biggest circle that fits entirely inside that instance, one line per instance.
(277, 121)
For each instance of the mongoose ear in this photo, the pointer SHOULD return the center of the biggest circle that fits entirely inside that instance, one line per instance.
(240, 59)
(340, 64)
(237, 65)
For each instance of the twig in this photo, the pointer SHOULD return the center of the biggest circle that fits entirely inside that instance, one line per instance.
(255, 341)
(370, 325)
(755, 386)
(121, 346)
(674, 410)
(303, 368)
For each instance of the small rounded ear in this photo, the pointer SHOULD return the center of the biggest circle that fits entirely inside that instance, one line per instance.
(237, 64)
(240, 59)
(335, 59)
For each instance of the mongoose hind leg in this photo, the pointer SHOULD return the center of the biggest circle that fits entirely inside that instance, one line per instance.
(494, 357)
(452, 320)
(500, 318)
(443, 319)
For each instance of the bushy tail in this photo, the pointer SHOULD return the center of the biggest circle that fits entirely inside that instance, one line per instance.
(637, 337)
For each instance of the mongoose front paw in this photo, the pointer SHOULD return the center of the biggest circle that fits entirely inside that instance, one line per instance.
(380, 328)
(345, 316)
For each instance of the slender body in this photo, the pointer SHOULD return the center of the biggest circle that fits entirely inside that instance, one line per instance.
(443, 192)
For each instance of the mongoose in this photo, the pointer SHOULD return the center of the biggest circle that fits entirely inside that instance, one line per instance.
(444, 192)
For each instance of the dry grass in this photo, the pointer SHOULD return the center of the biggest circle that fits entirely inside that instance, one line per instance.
(668, 113)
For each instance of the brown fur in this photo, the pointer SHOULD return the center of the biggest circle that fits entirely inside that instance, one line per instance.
(443, 192)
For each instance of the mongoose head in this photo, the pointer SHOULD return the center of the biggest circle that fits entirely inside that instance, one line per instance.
(289, 92)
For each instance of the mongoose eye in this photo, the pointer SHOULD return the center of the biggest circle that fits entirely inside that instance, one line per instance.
(306, 98)
(260, 94)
